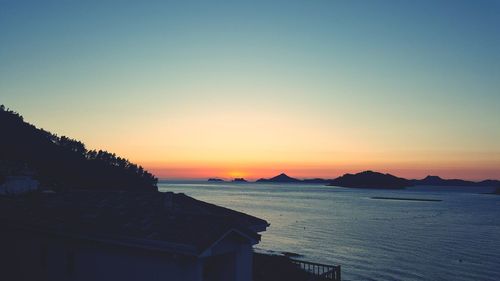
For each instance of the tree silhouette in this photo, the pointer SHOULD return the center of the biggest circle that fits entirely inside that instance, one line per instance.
(62, 162)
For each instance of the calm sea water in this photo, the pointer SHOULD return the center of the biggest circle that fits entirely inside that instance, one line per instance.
(372, 239)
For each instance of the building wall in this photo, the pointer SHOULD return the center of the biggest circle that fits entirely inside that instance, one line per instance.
(235, 256)
(123, 264)
(244, 263)
(33, 256)
(37, 257)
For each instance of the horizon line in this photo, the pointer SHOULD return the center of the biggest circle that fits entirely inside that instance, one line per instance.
(253, 179)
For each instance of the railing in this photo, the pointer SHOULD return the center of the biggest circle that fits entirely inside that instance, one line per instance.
(318, 271)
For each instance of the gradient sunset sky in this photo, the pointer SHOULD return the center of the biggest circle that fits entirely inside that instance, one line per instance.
(196, 89)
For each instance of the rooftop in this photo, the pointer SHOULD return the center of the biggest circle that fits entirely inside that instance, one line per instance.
(168, 221)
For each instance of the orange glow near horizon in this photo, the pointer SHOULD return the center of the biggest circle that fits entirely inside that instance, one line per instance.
(253, 172)
(236, 174)
(199, 143)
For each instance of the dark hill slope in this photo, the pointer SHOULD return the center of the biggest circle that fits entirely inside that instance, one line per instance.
(63, 163)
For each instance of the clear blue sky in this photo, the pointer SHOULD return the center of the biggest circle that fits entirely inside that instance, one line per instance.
(317, 87)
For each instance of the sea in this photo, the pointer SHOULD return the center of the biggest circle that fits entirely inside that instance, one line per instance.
(456, 238)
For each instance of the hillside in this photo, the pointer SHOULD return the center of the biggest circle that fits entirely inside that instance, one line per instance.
(63, 163)
(370, 179)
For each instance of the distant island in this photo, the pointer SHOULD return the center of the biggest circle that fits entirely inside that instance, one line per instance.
(367, 179)
(215, 179)
(438, 181)
(283, 178)
(318, 180)
(370, 179)
(62, 163)
(239, 180)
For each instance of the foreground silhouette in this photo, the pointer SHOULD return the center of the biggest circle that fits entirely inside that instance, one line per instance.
(61, 163)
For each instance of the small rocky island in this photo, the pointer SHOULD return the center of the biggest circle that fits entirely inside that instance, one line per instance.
(215, 180)
(370, 179)
(240, 180)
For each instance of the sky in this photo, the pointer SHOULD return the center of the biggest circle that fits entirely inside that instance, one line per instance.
(197, 89)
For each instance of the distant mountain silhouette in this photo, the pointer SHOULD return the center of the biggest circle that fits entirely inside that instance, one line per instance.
(438, 181)
(283, 178)
(215, 179)
(63, 163)
(489, 183)
(239, 180)
(370, 179)
(317, 180)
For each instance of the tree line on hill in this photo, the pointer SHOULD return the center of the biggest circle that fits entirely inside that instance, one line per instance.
(60, 162)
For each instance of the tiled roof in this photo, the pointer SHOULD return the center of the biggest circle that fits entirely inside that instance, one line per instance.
(163, 221)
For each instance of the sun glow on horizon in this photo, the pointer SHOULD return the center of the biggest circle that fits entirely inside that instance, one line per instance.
(266, 170)
(237, 174)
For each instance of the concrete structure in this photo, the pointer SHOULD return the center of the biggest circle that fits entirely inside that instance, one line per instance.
(124, 236)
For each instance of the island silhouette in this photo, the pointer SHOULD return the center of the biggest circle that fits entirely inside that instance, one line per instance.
(239, 180)
(370, 179)
(438, 181)
(282, 178)
(373, 179)
(215, 179)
